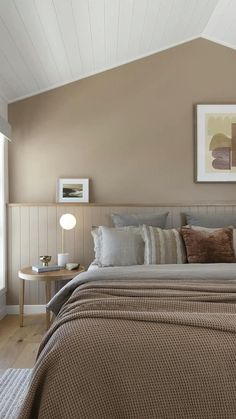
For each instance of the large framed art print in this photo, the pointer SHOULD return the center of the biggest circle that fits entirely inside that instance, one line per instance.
(216, 143)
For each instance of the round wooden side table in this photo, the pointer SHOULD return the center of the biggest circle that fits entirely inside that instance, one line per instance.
(26, 274)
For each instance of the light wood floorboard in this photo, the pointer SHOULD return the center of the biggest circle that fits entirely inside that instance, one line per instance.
(19, 345)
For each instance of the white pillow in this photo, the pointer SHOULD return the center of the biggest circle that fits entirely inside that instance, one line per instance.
(118, 246)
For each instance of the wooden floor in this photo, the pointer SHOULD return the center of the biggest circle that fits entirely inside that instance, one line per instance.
(19, 345)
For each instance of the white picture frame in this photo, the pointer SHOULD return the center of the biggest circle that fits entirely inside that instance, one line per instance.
(215, 143)
(73, 190)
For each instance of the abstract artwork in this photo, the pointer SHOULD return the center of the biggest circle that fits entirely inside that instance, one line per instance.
(73, 190)
(216, 143)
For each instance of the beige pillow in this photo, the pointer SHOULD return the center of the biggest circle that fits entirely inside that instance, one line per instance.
(163, 246)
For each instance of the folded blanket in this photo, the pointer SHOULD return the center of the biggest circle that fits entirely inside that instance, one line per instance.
(139, 348)
(211, 272)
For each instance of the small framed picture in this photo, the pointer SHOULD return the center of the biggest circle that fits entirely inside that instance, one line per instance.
(216, 143)
(73, 190)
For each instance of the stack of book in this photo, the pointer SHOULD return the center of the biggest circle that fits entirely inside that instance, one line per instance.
(49, 268)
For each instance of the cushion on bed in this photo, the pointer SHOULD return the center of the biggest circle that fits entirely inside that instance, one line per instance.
(209, 246)
(121, 247)
(96, 234)
(210, 230)
(98, 243)
(163, 246)
(156, 220)
(212, 221)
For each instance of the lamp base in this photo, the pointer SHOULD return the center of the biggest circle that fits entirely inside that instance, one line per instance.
(62, 259)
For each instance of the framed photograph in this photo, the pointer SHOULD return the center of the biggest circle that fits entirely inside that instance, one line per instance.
(216, 143)
(73, 190)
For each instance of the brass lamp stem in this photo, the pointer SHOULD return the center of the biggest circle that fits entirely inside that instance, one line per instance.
(62, 241)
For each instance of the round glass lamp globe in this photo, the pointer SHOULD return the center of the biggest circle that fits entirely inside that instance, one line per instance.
(67, 221)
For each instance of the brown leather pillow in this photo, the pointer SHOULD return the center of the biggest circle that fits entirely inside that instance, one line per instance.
(209, 247)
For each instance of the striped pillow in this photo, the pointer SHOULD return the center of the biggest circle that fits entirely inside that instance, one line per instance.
(163, 246)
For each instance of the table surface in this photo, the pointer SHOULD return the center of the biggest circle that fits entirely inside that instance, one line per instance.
(62, 274)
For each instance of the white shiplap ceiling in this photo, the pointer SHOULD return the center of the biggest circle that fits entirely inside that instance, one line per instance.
(48, 43)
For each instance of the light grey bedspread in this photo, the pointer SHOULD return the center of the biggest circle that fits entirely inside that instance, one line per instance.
(213, 272)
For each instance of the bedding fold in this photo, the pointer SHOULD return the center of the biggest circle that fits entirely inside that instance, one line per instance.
(214, 272)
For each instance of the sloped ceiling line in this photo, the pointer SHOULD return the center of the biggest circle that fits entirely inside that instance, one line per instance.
(48, 43)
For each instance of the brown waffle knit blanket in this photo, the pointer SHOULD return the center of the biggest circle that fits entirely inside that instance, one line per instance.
(135, 349)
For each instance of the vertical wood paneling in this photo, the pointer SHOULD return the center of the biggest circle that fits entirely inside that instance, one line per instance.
(88, 251)
(79, 235)
(60, 212)
(35, 230)
(70, 239)
(33, 251)
(25, 245)
(52, 233)
(13, 283)
(43, 244)
(211, 211)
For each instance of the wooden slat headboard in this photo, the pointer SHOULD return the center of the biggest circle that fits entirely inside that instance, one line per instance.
(33, 230)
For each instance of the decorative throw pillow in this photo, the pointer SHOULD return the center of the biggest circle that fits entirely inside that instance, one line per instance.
(163, 246)
(156, 220)
(210, 230)
(97, 240)
(121, 246)
(209, 247)
(98, 243)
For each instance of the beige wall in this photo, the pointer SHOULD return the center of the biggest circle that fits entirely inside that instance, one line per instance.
(130, 130)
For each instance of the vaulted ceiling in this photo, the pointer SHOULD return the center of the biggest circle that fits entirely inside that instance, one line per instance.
(48, 43)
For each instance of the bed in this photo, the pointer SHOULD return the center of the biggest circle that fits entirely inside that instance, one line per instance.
(149, 331)
(156, 341)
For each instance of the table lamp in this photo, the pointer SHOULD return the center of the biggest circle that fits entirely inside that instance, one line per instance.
(67, 222)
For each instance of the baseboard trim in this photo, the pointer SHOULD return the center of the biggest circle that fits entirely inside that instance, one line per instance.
(3, 312)
(28, 309)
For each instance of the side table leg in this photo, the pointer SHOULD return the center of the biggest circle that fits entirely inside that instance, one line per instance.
(21, 301)
(48, 298)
